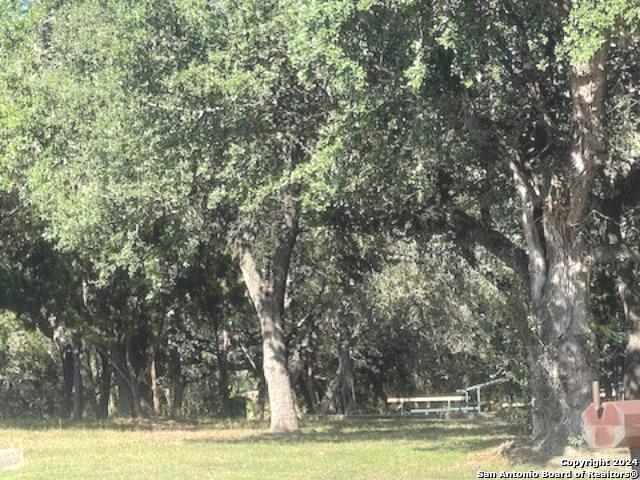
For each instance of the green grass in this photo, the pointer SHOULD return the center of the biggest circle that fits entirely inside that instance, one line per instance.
(354, 449)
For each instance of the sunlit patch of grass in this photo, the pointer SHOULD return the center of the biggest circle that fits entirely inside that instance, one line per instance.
(346, 449)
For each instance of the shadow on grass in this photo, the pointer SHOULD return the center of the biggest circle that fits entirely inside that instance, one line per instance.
(127, 424)
(437, 436)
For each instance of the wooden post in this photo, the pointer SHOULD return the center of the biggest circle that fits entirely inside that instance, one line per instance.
(595, 390)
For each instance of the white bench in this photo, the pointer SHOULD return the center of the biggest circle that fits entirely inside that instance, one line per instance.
(434, 404)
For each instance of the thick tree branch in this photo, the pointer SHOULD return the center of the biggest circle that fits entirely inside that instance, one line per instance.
(471, 231)
(612, 253)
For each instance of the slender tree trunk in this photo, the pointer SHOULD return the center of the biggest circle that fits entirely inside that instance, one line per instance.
(378, 386)
(329, 402)
(137, 399)
(295, 366)
(125, 399)
(102, 410)
(347, 385)
(222, 349)
(138, 364)
(66, 352)
(306, 382)
(77, 391)
(90, 391)
(154, 386)
(77, 383)
(311, 386)
(175, 362)
(306, 395)
(177, 390)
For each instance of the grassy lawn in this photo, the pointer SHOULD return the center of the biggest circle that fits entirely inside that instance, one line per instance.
(355, 449)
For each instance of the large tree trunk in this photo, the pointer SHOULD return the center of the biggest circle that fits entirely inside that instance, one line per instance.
(266, 284)
(553, 223)
(561, 361)
(281, 396)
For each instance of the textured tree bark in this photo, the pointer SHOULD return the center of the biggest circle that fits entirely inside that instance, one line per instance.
(556, 200)
(561, 361)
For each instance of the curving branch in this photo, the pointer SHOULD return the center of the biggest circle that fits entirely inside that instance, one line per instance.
(472, 231)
